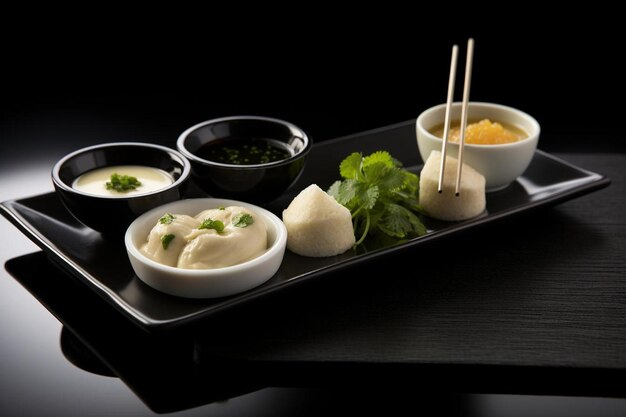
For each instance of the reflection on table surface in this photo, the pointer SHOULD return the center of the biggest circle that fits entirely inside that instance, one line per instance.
(163, 373)
(99, 340)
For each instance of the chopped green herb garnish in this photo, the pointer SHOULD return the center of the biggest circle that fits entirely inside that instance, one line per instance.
(122, 183)
(216, 225)
(168, 218)
(380, 195)
(242, 220)
(166, 239)
(222, 208)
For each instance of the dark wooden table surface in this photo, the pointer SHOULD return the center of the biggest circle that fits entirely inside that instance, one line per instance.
(531, 304)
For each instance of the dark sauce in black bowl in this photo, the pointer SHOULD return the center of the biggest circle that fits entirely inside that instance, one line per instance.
(244, 151)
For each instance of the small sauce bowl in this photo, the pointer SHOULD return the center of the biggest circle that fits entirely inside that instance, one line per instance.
(500, 164)
(255, 182)
(111, 215)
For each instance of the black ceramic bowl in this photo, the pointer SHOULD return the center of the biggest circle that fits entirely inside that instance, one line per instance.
(251, 182)
(112, 215)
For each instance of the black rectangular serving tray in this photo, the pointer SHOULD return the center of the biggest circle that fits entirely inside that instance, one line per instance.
(104, 267)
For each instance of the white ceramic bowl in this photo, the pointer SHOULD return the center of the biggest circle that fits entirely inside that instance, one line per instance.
(205, 283)
(500, 164)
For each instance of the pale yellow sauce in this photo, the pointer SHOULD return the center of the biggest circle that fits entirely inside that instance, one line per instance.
(483, 132)
(94, 182)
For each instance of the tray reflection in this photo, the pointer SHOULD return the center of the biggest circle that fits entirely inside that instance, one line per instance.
(163, 373)
(98, 339)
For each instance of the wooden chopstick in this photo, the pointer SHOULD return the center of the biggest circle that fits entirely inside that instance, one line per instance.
(466, 90)
(446, 123)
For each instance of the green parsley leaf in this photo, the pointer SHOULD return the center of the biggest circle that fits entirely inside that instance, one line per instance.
(242, 220)
(369, 197)
(348, 190)
(379, 157)
(167, 218)
(209, 223)
(411, 182)
(166, 239)
(121, 183)
(381, 196)
(398, 221)
(222, 208)
(350, 167)
(334, 190)
(393, 180)
(375, 172)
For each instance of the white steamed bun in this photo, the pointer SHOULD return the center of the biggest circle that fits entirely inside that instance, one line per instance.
(317, 225)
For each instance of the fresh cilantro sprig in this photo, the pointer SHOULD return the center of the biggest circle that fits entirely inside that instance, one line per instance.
(122, 183)
(380, 195)
(209, 223)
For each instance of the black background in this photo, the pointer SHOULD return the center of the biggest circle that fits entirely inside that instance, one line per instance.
(149, 76)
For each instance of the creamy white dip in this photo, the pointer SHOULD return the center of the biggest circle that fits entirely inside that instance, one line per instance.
(94, 182)
(179, 240)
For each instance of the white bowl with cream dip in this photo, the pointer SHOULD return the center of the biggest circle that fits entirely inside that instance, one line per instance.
(210, 282)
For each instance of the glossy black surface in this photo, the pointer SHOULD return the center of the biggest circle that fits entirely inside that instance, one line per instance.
(98, 340)
(162, 372)
(112, 216)
(251, 183)
(103, 265)
(174, 373)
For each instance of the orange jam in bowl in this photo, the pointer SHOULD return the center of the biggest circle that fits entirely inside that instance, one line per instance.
(484, 132)
(500, 163)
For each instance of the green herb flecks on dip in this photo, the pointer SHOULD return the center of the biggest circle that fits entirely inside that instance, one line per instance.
(167, 218)
(122, 183)
(242, 220)
(216, 225)
(244, 151)
(166, 239)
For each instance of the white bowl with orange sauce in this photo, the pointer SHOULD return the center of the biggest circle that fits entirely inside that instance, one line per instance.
(500, 163)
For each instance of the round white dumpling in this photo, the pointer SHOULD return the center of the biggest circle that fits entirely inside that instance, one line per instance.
(446, 205)
(317, 225)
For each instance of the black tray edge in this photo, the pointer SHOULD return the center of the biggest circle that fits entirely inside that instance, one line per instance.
(67, 265)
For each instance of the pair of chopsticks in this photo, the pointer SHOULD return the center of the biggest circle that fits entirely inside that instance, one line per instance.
(446, 126)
